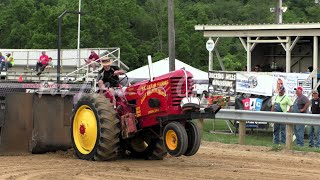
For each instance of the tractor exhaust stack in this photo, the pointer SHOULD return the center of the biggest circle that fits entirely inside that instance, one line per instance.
(150, 68)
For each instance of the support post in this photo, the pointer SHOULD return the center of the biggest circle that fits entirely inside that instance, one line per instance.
(59, 43)
(248, 54)
(210, 60)
(315, 60)
(288, 55)
(78, 44)
(278, 12)
(172, 53)
(200, 123)
(242, 132)
(289, 136)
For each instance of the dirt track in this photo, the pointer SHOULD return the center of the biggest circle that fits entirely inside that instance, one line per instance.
(213, 161)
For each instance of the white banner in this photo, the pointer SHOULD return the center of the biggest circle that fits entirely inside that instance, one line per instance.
(290, 81)
(254, 83)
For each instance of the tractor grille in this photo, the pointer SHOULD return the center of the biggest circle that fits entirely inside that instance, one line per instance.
(178, 89)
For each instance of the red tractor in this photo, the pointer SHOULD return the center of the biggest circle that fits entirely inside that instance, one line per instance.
(151, 118)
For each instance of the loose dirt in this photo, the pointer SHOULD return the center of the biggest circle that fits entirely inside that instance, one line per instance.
(213, 161)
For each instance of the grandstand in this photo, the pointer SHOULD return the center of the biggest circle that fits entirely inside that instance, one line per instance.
(73, 67)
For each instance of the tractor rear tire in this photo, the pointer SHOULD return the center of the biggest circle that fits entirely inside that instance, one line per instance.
(194, 138)
(149, 150)
(175, 139)
(158, 151)
(95, 130)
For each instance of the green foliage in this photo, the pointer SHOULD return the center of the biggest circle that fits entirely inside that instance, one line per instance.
(139, 27)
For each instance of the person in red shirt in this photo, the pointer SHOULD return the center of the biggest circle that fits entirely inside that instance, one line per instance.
(42, 61)
(92, 60)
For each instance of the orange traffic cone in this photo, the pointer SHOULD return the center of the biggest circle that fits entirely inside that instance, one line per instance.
(20, 78)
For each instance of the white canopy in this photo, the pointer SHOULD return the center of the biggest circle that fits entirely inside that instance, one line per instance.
(162, 67)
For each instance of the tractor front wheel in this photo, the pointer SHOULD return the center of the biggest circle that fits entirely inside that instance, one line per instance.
(95, 129)
(194, 138)
(175, 139)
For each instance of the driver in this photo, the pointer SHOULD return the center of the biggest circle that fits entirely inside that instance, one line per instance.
(108, 76)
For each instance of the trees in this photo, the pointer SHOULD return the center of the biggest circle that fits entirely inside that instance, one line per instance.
(139, 27)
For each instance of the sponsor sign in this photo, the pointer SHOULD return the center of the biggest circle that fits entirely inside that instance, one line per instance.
(254, 83)
(290, 81)
(222, 82)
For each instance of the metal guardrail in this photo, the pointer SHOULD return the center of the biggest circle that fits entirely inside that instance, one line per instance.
(272, 117)
(290, 119)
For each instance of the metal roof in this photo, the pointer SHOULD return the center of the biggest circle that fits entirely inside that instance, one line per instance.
(257, 30)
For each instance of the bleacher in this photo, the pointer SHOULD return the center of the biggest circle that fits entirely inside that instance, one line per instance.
(73, 67)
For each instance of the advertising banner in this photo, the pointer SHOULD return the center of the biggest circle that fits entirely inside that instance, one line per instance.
(222, 82)
(257, 103)
(254, 83)
(290, 81)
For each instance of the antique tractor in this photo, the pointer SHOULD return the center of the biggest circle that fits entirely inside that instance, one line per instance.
(151, 118)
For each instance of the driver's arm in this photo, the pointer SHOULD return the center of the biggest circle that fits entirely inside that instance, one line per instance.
(101, 85)
(119, 72)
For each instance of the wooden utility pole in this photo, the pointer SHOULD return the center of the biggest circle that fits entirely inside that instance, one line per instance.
(278, 12)
(171, 36)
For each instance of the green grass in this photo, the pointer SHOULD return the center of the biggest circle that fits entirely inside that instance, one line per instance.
(257, 137)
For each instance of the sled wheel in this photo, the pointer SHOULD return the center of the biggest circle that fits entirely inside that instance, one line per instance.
(194, 138)
(175, 139)
(95, 128)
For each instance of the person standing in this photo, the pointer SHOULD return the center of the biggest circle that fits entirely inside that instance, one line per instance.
(7, 63)
(42, 61)
(280, 104)
(2, 60)
(300, 105)
(314, 131)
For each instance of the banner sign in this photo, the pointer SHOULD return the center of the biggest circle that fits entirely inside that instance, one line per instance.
(254, 83)
(222, 82)
(258, 103)
(290, 81)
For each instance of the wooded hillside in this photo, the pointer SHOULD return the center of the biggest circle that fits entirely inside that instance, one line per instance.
(139, 27)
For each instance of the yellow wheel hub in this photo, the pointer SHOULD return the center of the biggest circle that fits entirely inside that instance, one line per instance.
(171, 140)
(85, 129)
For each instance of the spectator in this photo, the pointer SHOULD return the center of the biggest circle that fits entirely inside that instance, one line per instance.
(43, 67)
(92, 60)
(108, 77)
(300, 105)
(42, 62)
(310, 69)
(2, 59)
(280, 104)
(7, 63)
(314, 131)
(244, 68)
(50, 63)
(257, 68)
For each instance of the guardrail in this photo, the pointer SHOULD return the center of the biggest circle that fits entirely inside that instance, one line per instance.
(272, 117)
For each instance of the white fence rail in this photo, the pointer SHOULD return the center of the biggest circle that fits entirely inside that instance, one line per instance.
(69, 57)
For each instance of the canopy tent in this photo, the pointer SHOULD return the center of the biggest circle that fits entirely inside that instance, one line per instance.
(162, 67)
